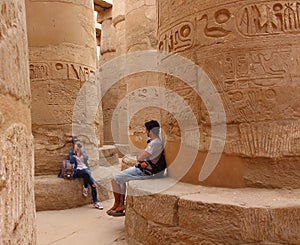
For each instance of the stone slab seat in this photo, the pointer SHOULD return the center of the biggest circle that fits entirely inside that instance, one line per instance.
(161, 211)
(53, 193)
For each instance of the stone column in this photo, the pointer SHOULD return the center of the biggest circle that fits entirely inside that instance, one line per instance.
(113, 45)
(250, 52)
(108, 52)
(62, 53)
(141, 27)
(120, 125)
(17, 207)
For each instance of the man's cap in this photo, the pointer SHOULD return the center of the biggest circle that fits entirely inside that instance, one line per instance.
(75, 139)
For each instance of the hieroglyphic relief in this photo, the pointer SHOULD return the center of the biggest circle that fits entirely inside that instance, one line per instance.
(250, 105)
(39, 71)
(250, 81)
(267, 139)
(178, 38)
(214, 25)
(254, 69)
(182, 35)
(203, 27)
(269, 18)
(59, 70)
(142, 98)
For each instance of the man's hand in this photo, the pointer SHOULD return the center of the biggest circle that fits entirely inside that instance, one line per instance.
(144, 164)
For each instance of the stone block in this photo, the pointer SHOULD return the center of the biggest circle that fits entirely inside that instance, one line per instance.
(242, 215)
(191, 214)
(53, 193)
(175, 235)
(136, 226)
(285, 224)
(163, 206)
(108, 155)
(226, 222)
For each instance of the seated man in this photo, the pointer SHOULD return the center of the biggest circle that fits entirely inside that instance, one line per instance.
(79, 157)
(149, 163)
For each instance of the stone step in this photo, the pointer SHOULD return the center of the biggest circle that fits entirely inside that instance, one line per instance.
(179, 213)
(108, 155)
(53, 193)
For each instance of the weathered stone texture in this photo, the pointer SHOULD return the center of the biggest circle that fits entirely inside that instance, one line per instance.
(17, 207)
(190, 214)
(141, 90)
(274, 173)
(250, 52)
(136, 226)
(167, 206)
(53, 193)
(111, 130)
(108, 155)
(114, 28)
(121, 22)
(62, 54)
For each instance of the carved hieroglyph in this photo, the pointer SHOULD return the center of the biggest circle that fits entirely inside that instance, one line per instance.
(250, 50)
(62, 55)
(17, 207)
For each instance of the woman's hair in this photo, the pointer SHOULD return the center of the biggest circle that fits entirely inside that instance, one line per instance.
(153, 126)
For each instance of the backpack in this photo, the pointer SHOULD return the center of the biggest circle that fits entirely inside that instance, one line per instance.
(67, 170)
(158, 168)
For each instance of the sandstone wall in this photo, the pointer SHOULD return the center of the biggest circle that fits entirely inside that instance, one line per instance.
(17, 207)
(250, 51)
(62, 53)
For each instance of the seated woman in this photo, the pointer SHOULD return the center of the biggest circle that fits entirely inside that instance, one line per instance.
(79, 157)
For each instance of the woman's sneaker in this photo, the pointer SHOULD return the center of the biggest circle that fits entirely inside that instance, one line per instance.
(98, 205)
(85, 191)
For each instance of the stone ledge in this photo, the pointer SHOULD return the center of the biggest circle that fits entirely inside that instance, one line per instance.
(189, 214)
(53, 193)
(122, 149)
(108, 155)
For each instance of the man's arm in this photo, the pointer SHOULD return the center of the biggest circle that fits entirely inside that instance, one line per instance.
(141, 159)
(143, 156)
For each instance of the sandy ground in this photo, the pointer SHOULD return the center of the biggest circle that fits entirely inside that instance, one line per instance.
(80, 226)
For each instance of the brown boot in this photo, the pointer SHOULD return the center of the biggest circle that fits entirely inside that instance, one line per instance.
(121, 206)
(116, 203)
